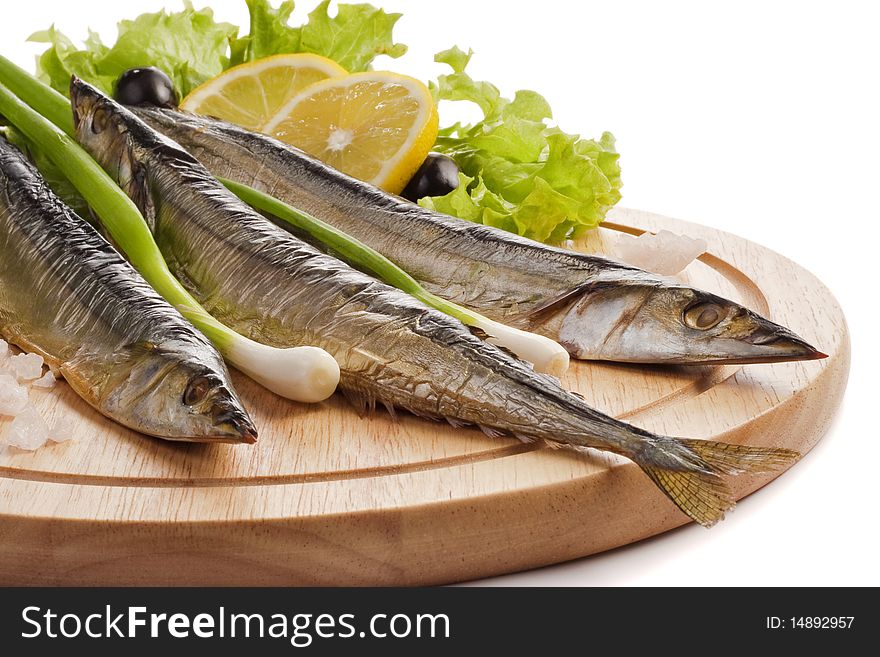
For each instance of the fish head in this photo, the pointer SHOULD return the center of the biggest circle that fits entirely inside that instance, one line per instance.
(120, 142)
(658, 321)
(99, 122)
(172, 384)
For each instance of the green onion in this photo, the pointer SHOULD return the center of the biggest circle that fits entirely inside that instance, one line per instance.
(545, 354)
(306, 374)
(41, 97)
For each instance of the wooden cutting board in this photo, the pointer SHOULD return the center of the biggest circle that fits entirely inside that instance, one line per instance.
(328, 498)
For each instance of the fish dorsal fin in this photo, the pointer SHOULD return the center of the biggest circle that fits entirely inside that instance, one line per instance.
(539, 314)
(492, 432)
(477, 332)
(364, 404)
(391, 411)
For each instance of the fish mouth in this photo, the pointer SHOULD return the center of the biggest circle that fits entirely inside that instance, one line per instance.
(79, 94)
(780, 346)
(756, 360)
(763, 342)
(772, 343)
(232, 425)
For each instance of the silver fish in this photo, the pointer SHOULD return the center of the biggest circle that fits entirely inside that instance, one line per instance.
(596, 308)
(391, 349)
(69, 296)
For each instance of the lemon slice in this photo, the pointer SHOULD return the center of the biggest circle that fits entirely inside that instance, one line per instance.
(250, 94)
(375, 126)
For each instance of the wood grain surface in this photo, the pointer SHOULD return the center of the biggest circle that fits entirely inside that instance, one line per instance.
(328, 498)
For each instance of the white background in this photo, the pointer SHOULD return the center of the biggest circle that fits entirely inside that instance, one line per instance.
(759, 118)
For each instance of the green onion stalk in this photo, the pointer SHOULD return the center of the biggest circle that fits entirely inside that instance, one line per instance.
(307, 374)
(545, 354)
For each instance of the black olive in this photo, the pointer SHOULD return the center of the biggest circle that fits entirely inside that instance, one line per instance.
(437, 176)
(145, 86)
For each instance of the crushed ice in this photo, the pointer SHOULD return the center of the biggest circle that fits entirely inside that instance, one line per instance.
(664, 253)
(62, 431)
(4, 358)
(27, 367)
(13, 397)
(28, 430)
(46, 381)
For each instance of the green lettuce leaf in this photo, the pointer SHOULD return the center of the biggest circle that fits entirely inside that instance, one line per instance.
(522, 174)
(473, 201)
(269, 33)
(192, 47)
(353, 38)
(189, 45)
(460, 86)
(62, 59)
(356, 36)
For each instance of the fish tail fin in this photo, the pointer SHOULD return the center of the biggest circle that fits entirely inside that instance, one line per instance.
(689, 472)
(731, 459)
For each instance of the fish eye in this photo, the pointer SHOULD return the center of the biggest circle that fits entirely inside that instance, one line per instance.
(196, 390)
(99, 120)
(704, 316)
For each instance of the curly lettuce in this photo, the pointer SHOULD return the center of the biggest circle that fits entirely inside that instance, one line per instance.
(519, 173)
(192, 47)
(353, 38)
(189, 45)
